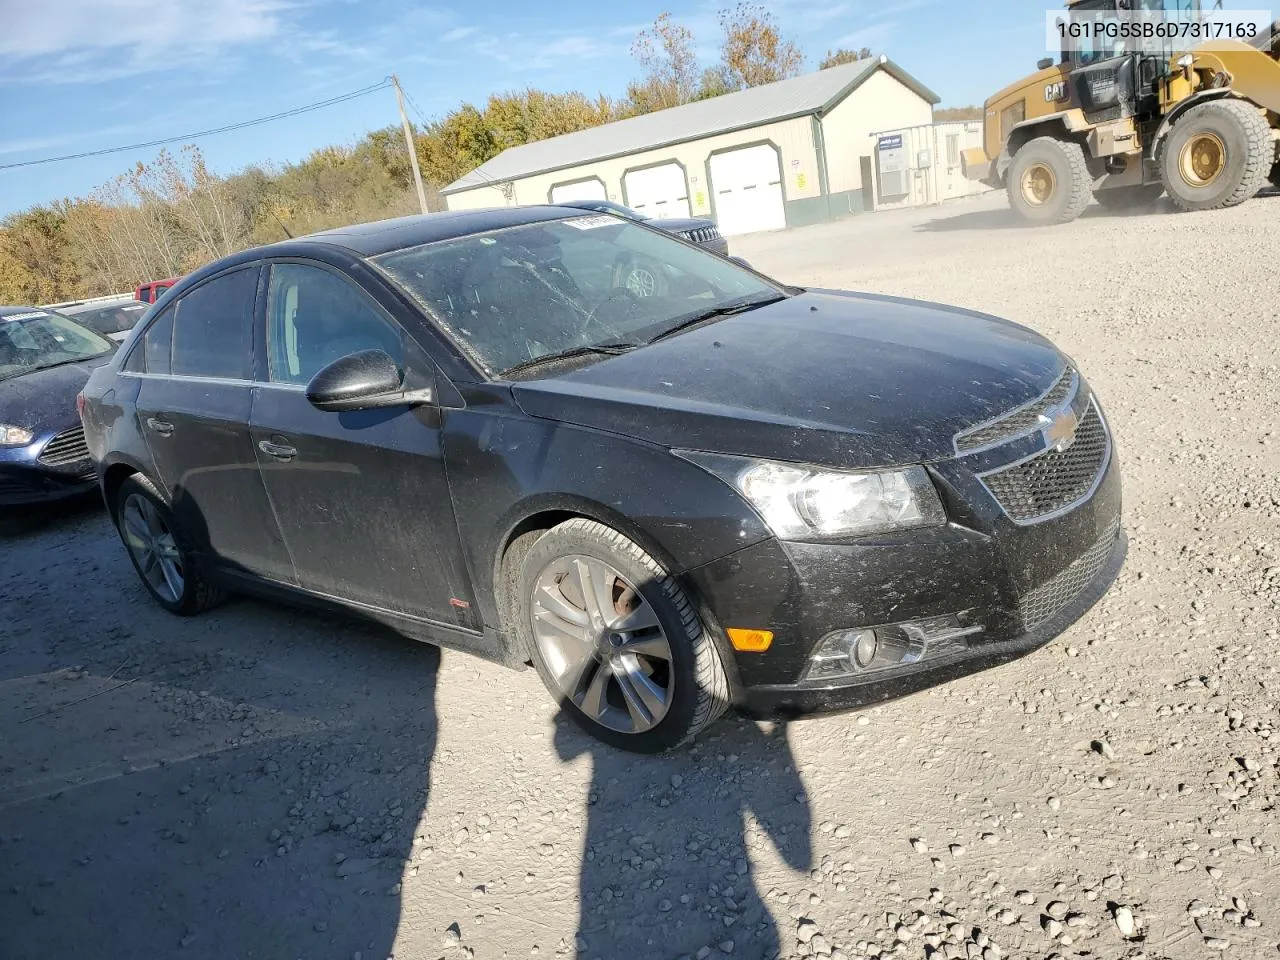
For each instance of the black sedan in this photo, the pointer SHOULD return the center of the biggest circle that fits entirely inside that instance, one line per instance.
(697, 230)
(729, 493)
(45, 360)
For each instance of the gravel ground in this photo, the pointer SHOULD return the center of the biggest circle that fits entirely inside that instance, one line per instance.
(265, 783)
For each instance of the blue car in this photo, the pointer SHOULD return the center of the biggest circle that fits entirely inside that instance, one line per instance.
(45, 359)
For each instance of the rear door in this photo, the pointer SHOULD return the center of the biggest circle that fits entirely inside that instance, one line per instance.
(193, 408)
(362, 497)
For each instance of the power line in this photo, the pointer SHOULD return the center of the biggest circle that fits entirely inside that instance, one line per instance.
(381, 85)
(416, 109)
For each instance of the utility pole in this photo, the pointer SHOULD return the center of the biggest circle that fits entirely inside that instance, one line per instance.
(408, 142)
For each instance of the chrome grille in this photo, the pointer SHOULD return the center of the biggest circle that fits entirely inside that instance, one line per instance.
(66, 448)
(1020, 421)
(702, 234)
(1053, 480)
(1040, 604)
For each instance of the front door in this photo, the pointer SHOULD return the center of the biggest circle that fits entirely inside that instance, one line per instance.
(193, 405)
(362, 497)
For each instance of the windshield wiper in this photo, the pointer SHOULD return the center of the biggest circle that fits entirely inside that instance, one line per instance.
(724, 310)
(58, 363)
(605, 349)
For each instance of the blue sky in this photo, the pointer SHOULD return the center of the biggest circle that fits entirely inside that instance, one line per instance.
(79, 75)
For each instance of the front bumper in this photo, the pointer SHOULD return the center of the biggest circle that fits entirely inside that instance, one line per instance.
(1021, 582)
(23, 487)
(793, 700)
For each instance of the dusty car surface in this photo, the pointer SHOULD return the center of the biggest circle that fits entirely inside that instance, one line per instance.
(45, 360)
(113, 317)
(697, 230)
(729, 493)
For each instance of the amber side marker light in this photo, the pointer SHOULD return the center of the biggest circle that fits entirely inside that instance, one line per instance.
(750, 641)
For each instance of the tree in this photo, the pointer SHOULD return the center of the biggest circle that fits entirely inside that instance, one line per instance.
(753, 51)
(957, 113)
(665, 52)
(841, 56)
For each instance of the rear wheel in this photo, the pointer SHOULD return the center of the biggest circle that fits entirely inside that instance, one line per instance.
(1218, 154)
(1049, 181)
(161, 554)
(615, 640)
(1129, 198)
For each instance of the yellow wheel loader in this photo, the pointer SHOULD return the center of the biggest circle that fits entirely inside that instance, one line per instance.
(1124, 120)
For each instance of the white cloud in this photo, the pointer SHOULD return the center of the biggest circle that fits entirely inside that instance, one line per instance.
(72, 41)
(458, 33)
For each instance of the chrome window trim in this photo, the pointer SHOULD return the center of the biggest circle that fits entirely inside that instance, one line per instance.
(1072, 392)
(1066, 508)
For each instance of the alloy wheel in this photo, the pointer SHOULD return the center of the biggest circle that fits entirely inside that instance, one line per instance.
(642, 282)
(153, 546)
(602, 643)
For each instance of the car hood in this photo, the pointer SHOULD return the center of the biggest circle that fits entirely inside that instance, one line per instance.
(680, 224)
(846, 380)
(46, 399)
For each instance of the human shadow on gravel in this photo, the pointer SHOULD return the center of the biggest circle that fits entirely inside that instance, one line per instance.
(253, 793)
(667, 861)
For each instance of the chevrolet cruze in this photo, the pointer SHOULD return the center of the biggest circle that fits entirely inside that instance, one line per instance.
(718, 492)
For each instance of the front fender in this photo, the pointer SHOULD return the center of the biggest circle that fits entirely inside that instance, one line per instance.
(505, 469)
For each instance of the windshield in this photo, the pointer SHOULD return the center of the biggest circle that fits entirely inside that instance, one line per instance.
(1100, 35)
(517, 294)
(112, 318)
(35, 340)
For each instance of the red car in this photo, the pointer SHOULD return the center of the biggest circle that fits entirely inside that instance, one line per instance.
(150, 292)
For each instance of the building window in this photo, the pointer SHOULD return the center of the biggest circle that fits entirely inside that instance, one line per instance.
(953, 149)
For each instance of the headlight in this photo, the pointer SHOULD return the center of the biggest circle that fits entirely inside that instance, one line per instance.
(800, 502)
(15, 436)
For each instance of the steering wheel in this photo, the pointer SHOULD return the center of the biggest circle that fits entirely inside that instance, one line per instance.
(621, 295)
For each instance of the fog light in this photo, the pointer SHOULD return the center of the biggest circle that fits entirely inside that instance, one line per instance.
(864, 650)
(847, 653)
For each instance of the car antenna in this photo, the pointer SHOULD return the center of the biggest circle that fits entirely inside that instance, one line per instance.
(282, 226)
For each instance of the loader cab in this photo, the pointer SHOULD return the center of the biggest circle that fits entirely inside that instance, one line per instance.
(1111, 75)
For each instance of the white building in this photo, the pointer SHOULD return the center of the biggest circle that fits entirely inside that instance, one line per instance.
(784, 154)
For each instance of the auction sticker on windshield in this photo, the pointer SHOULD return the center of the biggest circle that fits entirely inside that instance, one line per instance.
(590, 223)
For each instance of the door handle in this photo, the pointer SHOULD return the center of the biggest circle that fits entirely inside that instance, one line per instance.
(162, 427)
(277, 450)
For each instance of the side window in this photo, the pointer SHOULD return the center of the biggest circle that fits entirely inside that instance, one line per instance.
(157, 344)
(213, 328)
(315, 316)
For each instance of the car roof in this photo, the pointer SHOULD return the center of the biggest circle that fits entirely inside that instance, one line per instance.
(381, 236)
(6, 311)
(97, 304)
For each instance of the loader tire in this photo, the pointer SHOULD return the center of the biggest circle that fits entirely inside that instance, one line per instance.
(1123, 199)
(1218, 154)
(1049, 181)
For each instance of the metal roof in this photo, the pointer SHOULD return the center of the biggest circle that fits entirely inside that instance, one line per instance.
(811, 93)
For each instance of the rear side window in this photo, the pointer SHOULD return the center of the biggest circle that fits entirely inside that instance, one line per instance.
(156, 344)
(213, 328)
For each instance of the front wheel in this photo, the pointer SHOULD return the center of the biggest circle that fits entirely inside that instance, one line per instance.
(616, 640)
(1049, 181)
(1218, 154)
(160, 552)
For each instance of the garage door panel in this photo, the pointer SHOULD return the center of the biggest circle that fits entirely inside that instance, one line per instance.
(582, 190)
(660, 191)
(747, 185)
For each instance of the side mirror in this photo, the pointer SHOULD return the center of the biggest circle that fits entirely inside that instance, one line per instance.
(742, 263)
(362, 381)
(1044, 63)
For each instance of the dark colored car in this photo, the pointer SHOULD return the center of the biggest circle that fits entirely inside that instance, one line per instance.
(697, 230)
(113, 317)
(45, 360)
(732, 493)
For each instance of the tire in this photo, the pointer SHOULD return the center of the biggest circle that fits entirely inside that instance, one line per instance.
(1129, 198)
(137, 499)
(1235, 133)
(1275, 176)
(691, 675)
(1058, 167)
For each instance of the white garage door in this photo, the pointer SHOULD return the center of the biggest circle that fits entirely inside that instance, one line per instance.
(582, 190)
(658, 191)
(747, 185)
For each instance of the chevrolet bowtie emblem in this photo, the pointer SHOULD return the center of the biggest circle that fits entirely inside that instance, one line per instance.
(1059, 431)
